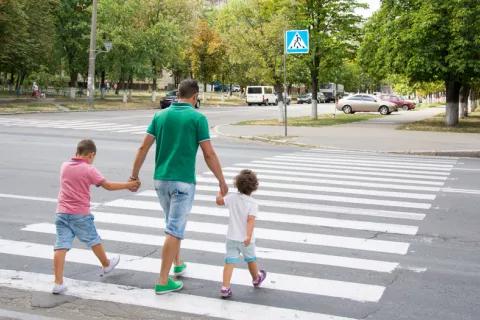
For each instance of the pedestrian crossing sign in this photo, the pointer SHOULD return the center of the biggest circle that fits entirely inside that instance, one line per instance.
(297, 41)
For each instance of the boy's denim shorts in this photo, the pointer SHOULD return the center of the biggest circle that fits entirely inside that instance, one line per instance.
(79, 225)
(176, 199)
(234, 248)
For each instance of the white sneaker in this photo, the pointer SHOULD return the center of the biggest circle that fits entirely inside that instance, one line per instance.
(59, 288)
(114, 260)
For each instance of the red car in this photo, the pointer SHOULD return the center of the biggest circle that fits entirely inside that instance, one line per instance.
(399, 101)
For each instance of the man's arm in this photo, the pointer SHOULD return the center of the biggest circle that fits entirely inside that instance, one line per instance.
(213, 164)
(142, 154)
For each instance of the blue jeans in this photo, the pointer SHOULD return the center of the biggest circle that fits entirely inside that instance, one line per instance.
(80, 225)
(176, 199)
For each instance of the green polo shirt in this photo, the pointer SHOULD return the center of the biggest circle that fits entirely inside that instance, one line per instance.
(178, 132)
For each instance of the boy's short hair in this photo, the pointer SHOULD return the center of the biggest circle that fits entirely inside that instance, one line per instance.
(187, 89)
(246, 182)
(85, 147)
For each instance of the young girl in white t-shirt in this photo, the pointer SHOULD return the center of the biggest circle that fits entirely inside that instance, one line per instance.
(240, 238)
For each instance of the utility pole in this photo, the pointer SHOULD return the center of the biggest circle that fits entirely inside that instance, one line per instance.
(91, 62)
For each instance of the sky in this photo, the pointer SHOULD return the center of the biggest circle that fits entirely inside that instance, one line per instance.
(374, 6)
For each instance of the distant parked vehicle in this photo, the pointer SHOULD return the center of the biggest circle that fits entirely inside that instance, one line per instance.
(365, 103)
(307, 98)
(170, 97)
(236, 88)
(399, 101)
(261, 95)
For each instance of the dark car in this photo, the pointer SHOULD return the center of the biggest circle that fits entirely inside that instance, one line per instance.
(171, 96)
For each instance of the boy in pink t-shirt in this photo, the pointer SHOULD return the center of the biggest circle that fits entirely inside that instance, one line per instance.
(73, 216)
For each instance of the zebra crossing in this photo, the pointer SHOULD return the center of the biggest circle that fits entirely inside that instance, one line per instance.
(99, 126)
(332, 229)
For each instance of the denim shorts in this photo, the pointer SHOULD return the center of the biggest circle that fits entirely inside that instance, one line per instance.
(234, 248)
(79, 225)
(176, 199)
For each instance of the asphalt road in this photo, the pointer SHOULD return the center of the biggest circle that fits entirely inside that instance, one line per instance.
(343, 235)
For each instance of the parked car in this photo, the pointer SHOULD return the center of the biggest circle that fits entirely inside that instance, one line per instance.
(307, 98)
(399, 101)
(261, 95)
(171, 96)
(218, 88)
(365, 103)
(236, 88)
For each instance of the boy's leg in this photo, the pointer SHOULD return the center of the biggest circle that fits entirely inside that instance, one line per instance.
(58, 264)
(253, 268)
(99, 251)
(227, 274)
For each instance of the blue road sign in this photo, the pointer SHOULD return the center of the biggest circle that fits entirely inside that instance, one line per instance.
(297, 41)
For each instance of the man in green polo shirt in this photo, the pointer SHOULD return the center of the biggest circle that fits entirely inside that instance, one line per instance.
(177, 131)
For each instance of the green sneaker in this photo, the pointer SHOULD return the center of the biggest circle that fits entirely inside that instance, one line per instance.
(178, 271)
(169, 287)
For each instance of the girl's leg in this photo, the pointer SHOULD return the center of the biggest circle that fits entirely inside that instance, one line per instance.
(100, 253)
(227, 274)
(58, 264)
(253, 268)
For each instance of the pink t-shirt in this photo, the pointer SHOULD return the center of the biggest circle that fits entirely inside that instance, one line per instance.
(76, 177)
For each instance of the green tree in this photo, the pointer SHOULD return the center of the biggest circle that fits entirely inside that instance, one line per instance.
(72, 35)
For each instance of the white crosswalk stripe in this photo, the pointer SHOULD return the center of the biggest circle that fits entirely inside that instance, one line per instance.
(326, 230)
(80, 125)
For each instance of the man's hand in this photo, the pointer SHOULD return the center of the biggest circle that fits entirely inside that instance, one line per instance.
(223, 188)
(247, 241)
(139, 183)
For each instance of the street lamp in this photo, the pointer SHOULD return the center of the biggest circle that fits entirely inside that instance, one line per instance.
(93, 55)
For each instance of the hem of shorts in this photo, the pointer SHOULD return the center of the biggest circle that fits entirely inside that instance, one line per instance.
(173, 235)
(250, 259)
(231, 261)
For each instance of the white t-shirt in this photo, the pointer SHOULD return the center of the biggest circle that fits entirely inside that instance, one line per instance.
(240, 207)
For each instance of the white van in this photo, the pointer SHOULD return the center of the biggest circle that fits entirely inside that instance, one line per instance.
(261, 95)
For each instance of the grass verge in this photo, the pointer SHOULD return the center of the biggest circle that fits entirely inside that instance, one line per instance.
(27, 107)
(471, 124)
(323, 120)
(428, 105)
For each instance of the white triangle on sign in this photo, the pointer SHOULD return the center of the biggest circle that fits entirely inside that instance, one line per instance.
(297, 42)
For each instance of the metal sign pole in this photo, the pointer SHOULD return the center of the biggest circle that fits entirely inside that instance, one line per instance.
(285, 81)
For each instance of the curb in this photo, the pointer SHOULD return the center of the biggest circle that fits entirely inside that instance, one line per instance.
(439, 153)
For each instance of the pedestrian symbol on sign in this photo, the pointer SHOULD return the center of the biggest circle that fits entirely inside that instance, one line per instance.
(297, 43)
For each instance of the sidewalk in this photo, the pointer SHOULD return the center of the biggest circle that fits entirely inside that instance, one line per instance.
(377, 135)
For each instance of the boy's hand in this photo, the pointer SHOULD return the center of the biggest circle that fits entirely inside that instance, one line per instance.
(247, 241)
(136, 183)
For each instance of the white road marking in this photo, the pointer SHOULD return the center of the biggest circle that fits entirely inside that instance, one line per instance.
(280, 176)
(178, 302)
(315, 207)
(408, 160)
(354, 171)
(321, 197)
(277, 217)
(371, 164)
(55, 200)
(345, 176)
(219, 247)
(266, 234)
(277, 281)
(466, 191)
(373, 193)
(372, 161)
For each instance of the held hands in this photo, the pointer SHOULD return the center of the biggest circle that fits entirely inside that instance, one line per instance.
(223, 188)
(136, 183)
(247, 241)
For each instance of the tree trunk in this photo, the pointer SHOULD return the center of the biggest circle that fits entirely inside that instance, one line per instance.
(154, 80)
(130, 82)
(12, 80)
(281, 102)
(464, 93)
(204, 92)
(17, 84)
(314, 77)
(471, 99)
(124, 91)
(453, 95)
(73, 83)
(102, 86)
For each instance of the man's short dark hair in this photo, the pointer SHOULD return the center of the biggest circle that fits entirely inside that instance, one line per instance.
(187, 89)
(85, 147)
(246, 182)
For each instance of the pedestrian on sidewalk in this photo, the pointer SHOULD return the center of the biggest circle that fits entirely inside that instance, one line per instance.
(243, 210)
(178, 132)
(73, 218)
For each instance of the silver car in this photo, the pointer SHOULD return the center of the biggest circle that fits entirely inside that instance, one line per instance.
(365, 103)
